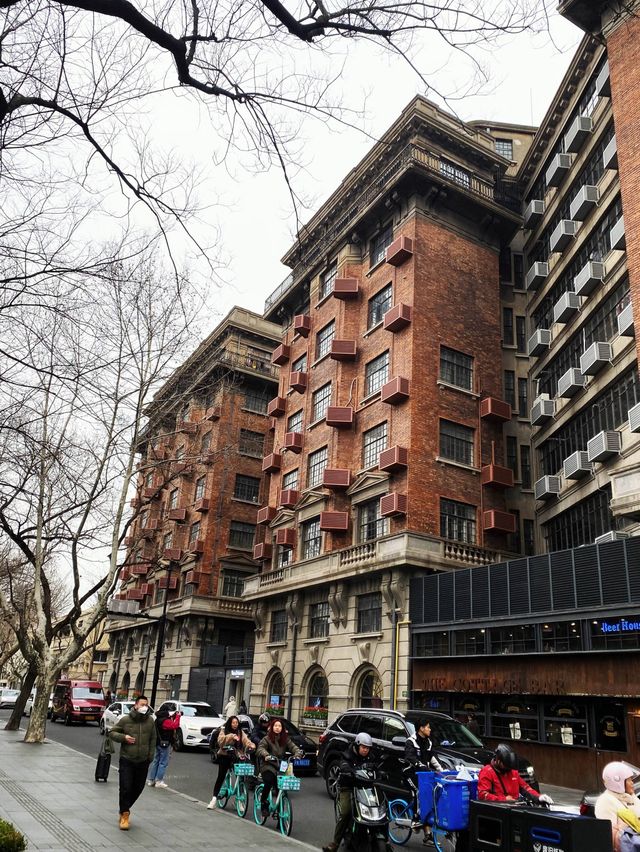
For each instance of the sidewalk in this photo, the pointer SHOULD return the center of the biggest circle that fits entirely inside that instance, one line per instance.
(48, 792)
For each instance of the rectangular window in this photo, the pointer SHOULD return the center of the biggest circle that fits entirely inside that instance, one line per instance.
(278, 626)
(370, 613)
(206, 443)
(521, 334)
(167, 539)
(232, 584)
(173, 498)
(371, 524)
(528, 530)
(507, 326)
(379, 305)
(516, 639)
(376, 373)
(241, 535)
(316, 464)
(300, 365)
(504, 264)
(431, 644)
(328, 279)
(194, 532)
(523, 397)
(379, 244)
(256, 401)
(518, 271)
(324, 338)
(319, 620)
(179, 454)
(320, 402)
(246, 488)
(456, 442)
(283, 556)
(311, 539)
(455, 173)
(251, 443)
(510, 388)
(457, 521)
(504, 147)
(456, 368)
(148, 480)
(374, 441)
(469, 642)
(294, 423)
(201, 486)
(525, 465)
(512, 454)
(290, 480)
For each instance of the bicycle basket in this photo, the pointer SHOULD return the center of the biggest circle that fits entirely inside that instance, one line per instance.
(288, 782)
(243, 769)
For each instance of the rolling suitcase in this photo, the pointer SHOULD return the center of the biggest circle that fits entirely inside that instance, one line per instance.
(103, 765)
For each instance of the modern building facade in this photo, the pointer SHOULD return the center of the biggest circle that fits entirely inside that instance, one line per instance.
(194, 519)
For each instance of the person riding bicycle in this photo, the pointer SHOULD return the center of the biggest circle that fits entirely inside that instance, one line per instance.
(500, 781)
(260, 729)
(232, 744)
(418, 753)
(270, 752)
(357, 755)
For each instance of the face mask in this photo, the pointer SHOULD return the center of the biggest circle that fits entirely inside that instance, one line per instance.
(143, 710)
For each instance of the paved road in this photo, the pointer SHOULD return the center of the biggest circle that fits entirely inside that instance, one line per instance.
(192, 772)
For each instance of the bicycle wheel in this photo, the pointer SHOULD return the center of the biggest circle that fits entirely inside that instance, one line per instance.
(257, 810)
(400, 817)
(223, 795)
(242, 798)
(444, 841)
(285, 815)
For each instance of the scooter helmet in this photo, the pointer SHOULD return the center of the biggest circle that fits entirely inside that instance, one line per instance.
(364, 740)
(263, 718)
(615, 774)
(506, 755)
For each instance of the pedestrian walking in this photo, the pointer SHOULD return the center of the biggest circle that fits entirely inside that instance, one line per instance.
(230, 708)
(136, 733)
(242, 710)
(167, 722)
(233, 745)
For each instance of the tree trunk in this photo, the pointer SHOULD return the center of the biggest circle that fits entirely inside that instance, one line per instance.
(38, 720)
(27, 685)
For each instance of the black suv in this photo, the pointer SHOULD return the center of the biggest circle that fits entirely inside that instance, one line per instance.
(453, 745)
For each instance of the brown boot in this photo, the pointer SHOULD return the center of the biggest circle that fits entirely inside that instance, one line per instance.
(124, 821)
(330, 847)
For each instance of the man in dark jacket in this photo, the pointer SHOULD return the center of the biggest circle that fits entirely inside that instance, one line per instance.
(136, 734)
(418, 752)
(355, 756)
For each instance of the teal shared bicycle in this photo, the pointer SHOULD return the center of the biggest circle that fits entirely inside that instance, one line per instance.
(279, 805)
(235, 786)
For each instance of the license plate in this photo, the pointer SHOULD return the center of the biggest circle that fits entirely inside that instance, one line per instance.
(303, 761)
(90, 718)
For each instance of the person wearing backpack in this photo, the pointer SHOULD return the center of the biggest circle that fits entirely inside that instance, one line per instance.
(167, 722)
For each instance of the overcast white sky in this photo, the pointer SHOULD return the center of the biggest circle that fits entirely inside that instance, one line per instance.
(254, 212)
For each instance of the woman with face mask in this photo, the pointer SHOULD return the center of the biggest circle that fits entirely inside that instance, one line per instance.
(167, 722)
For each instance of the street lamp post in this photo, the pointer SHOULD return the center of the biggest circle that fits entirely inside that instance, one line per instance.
(160, 644)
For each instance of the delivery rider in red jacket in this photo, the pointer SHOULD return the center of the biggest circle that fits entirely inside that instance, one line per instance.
(500, 781)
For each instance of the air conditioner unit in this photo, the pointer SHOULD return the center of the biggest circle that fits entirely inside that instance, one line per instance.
(589, 277)
(302, 324)
(562, 234)
(625, 322)
(610, 155)
(293, 442)
(616, 235)
(558, 167)
(542, 410)
(595, 357)
(604, 445)
(634, 418)
(584, 202)
(571, 382)
(567, 305)
(603, 82)
(547, 487)
(577, 465)
(612, 535)
(579, 130)
(536, 275)
(539, 341)
(533, 213)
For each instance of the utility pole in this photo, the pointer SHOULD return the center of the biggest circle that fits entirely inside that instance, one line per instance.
(160, 642)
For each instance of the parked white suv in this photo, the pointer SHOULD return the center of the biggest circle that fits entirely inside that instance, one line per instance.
(112, 714)
(198, 720)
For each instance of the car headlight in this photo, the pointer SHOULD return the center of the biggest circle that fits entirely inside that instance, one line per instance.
(76, 708)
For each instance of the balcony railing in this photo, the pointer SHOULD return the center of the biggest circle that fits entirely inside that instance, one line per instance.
(242, 358)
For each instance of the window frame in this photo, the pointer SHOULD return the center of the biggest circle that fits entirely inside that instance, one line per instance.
(379, 243)
(454, 524)
(372, 445)
(369, 613)
(324, 338)
(456, 442)
(320, 402)
(378, 305)
(238, 488)
(310, 538)
(241, 535)
(456, 368)
(376, 373)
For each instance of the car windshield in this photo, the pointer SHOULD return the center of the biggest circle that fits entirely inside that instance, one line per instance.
(87, 692)
(448, 732)
(198, 710)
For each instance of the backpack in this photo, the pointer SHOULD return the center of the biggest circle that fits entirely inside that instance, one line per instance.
(629, 841)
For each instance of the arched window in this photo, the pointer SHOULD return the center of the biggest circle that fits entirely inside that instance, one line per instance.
(112, 682)
(318, 691)
(126, 682)
(275, 693)
(138, 688)
(370, 693)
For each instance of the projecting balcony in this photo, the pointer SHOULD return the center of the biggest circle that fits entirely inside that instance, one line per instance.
(266, 514)
(570, 383)
(558, 168)
(577, 465)
(334, 521)
(533, 213)
(400, 250)
(496, 476)
(546, 487)
(340, 417)
(262, 552)
(172, 554)
(346, 288)
(179, 515)
(536, 275)
(595, 358)
(495, 520)
(302, 324)
(584, 202)
(625, 322)
(610, 155)
(337, 478)
(492, 408)
(393, 459)
(604, 445)
(289, 497)
(397, 317)
(566, 307)
(617, 237)
(298, 380)
(579, 131)
(286, 537)
(277, 407)
(201, 505)
(590, 276)
(393, 505)
(603, 82)
(564, 232)
(292, 442)
(196, 547)
(343, 350)
(396, 391)
(271, 463)
(539, 341)
(281, 355)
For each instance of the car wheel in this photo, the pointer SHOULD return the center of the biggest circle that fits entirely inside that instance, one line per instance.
(179, 742)
(331, 779)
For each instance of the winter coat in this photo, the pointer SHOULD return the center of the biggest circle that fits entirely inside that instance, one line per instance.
(351, 761)
(166, 726)
(225, 740)
(267, 748)
(230, 708)
(607, 806)
(496, 786)
(143, 728)
(419, 750)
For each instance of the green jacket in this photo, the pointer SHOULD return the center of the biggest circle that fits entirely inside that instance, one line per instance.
(143, 728)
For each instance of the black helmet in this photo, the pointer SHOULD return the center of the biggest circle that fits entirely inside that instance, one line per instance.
(506, 755)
